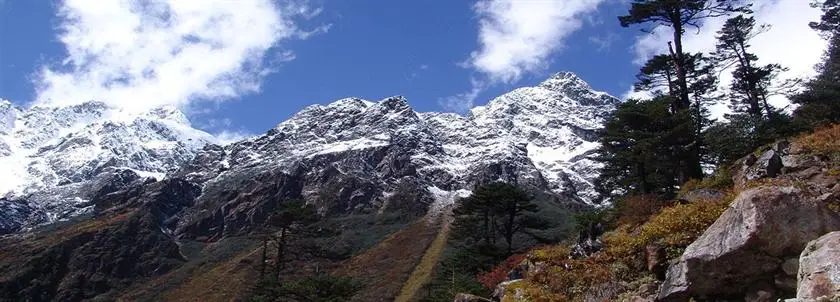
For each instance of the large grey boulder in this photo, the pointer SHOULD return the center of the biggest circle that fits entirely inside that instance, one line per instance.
(747, 246)
(819, 268)
(768, 164)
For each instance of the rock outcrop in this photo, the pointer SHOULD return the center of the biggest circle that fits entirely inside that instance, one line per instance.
(819, 269)
(744, 250)
(93, 257)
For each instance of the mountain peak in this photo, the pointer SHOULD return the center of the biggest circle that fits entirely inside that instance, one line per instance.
(171, 113)
(396, 102)
(351, 102)
(563, 81)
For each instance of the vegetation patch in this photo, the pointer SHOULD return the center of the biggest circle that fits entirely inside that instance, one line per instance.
(721, 180)
(620, 266)
(824, 140)
(385, 267)
(423, 271)
(499, 273)
(674, 228)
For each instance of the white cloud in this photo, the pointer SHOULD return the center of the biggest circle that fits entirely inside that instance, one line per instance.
(463, 102)
(789, 42)
(518, 37)
(141, 54)
(227, 137)
(639, 95)
(603, 42)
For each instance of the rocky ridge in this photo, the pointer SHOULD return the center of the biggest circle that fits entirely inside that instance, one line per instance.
(361, 155)
(55, 159)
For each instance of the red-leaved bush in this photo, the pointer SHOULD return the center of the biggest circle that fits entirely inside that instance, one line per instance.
(499, 273)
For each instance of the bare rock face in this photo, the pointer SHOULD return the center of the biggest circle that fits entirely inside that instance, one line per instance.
(819, 268)
(746, 247)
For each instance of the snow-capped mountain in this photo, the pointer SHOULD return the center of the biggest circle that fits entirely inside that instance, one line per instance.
(553, 125)
(355, 155)
(351, 155)
(52, 158)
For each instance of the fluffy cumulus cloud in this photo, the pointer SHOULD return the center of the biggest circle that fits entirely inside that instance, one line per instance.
(789, 42)
(146, 53)
(518, 37)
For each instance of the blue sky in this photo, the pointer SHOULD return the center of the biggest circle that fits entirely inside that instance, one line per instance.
(279, 57)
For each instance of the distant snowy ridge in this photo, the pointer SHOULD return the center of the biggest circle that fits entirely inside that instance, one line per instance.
(541, 136)
(49, 155)
(54, 159)
(48, 146)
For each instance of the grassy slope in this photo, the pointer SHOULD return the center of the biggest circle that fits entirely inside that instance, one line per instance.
(385, 267)
(218, 271)
(423, 272)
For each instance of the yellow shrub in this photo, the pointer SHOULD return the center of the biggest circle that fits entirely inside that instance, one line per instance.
(822, 140)
(674, 228)
(722, 179)
(678, 226)
(564, 279)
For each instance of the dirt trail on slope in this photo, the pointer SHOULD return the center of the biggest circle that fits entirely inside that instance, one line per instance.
(423, 271)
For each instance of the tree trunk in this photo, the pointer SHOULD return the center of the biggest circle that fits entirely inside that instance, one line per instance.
(691, 156)
(486, 226)
(752, 91)
(263, 258)
(509, 229)
(679, 63)
(670, 80)
(281, 251)
(643, 185)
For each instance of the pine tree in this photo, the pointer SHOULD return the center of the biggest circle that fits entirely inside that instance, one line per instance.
(820, 102)
(491, 210)
(830, 20)
(680, 15)
(752, 83)
(474, 214)
(658, 76)
(514, 204)
(290, 218)
(638, 148)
